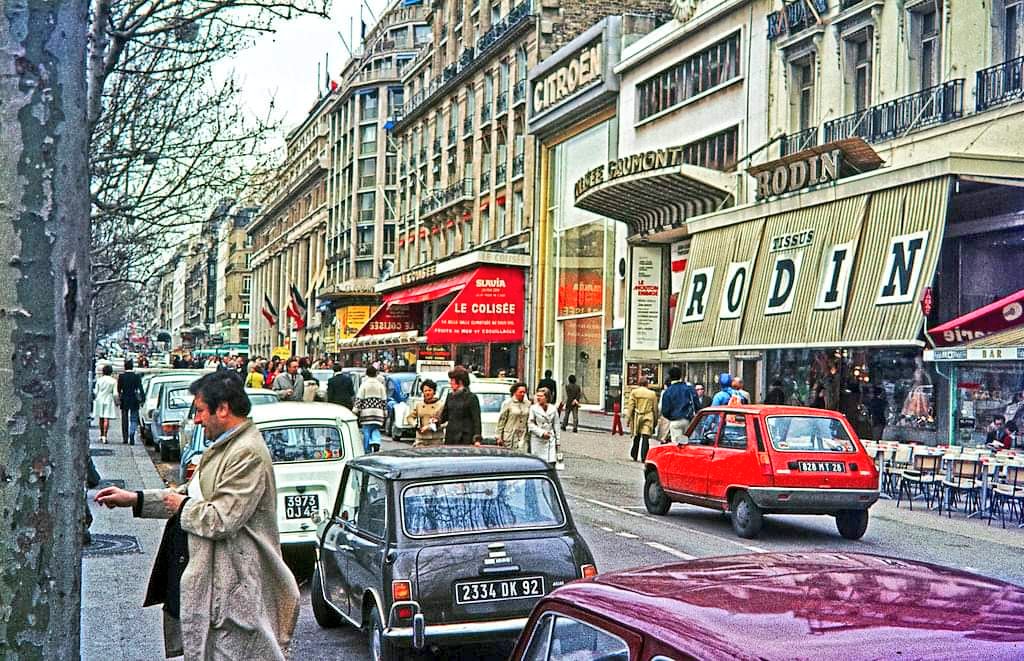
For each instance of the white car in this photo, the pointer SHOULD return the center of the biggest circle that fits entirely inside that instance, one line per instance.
(491, 395)
(399, 428)
(309, 442)
(154, 385)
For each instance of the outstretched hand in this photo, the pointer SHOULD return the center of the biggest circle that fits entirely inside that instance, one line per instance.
(114, 497)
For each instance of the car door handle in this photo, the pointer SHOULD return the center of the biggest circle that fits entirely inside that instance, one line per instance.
(345, 547)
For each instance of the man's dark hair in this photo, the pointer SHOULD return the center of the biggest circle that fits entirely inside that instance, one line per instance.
(547, 374)
(460, 374)
(998, 416)
(292, 360)
(675, 373)
(517, 386)
(429, 383)
(776, 383)
(371, 371)
(108, 370)
(128, 364)
(572, 378)
(337, 367)
(222, 386)
(698, 385)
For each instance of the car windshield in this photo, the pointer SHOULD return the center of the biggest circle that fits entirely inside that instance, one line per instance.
(179, 398)
(805, 433)
(449, 508)
(303, 443)
(490, 402)
(406, 385)
(263, 398)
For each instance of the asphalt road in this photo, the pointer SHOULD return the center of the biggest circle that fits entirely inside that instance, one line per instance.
(605, 497)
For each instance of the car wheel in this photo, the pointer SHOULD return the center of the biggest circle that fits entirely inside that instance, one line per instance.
(380, 648)
(165, 452)
(746, 516)
(324, 615)
(852, 524)
(655, 498)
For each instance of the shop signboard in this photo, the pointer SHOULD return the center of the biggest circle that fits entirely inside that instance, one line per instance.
(435, 352)
(645, 308)
(390, 318)
(351, 318)
(283, 352)
(1004, 314)
(974, 355)
(580, 71)
(489, 308)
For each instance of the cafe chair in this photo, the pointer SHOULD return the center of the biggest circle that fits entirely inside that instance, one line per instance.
(964, 479)
(1009, 492)
(921, 479)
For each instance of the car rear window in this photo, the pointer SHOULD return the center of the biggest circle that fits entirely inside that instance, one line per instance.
(490, 402)
(805, 433)
(303, 443)
(261, 399)
(451, 508)
(179, 398)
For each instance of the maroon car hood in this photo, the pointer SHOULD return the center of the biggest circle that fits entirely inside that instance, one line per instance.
(812, 605)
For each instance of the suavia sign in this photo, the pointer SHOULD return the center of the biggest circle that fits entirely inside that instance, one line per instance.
(785, 177)
(903, 264)
(655, 159)
(582, 69)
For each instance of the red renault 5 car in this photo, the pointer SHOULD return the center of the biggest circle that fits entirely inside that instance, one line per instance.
(755, 460)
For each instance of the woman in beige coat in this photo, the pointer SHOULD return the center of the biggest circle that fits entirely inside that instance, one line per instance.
(238, 598)
(512, 430)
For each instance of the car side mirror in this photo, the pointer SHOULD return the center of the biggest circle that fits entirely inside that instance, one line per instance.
(683, 440)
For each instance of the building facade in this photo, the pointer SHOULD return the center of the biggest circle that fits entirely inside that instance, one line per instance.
(465, 195)
(233, 305)
(822, 212)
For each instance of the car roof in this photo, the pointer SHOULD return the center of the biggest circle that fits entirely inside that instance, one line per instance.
(260, 391)
(490, 387)
(402, 376)
(448, 461)
(775, 409)
(826, 605)
(284, 411)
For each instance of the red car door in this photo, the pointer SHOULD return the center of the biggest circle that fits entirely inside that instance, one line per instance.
(686, 469)
(735, 461)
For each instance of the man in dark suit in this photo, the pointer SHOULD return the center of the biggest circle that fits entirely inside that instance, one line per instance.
(129, 391)
(340, 389)
(549, 383)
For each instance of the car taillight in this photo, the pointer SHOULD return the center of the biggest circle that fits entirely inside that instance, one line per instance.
(401, 591)
(404, 612)
(588, 571)
(169, 427)
(766, 464)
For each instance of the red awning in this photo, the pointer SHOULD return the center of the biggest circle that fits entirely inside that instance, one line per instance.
(388, 318)
(1006, 313)
(490, 308)
(429, 291)
(450, 224)
(500, 201)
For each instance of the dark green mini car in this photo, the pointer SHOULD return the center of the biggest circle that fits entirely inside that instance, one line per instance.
(440, 547)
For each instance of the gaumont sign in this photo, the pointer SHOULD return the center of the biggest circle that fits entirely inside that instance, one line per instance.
(647, 161)
(580, 71)
(490, 308)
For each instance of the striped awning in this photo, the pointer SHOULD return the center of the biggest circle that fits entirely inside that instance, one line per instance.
(1012, 338)
(887, 243)
(658, 199)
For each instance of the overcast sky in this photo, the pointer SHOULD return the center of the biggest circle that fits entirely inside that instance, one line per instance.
(283, 65)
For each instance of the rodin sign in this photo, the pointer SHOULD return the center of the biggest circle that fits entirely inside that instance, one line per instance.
(785, 177)
(582, 69)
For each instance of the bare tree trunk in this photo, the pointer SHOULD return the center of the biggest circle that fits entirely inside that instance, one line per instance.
(44, 358)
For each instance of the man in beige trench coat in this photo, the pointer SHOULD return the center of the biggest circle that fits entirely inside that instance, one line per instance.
(238, 598)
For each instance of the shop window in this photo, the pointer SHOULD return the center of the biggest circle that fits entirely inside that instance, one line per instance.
(714, 66)
(471, 356)
(582, 349)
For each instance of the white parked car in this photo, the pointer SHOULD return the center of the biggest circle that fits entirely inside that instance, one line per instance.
(491, 395)
(309, 442)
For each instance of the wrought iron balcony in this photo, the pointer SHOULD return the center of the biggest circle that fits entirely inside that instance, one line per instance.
(502, 103)
(999, 85)
(499, 174)
(485, 113)
(518, 165)
(364, 250)
(485, 181)
(467, 125)
(885, 121)
(519, 93)
(437, 147)
(798, 141)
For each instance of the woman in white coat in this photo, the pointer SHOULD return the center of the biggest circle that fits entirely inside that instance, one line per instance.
(543, 427)
(104, 406)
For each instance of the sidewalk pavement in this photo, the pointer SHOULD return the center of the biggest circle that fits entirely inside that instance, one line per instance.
(115, 572)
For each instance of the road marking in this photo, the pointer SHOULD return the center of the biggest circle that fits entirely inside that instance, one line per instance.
(616, 508)
(671, 551)
(606, 529)
(627, 535)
